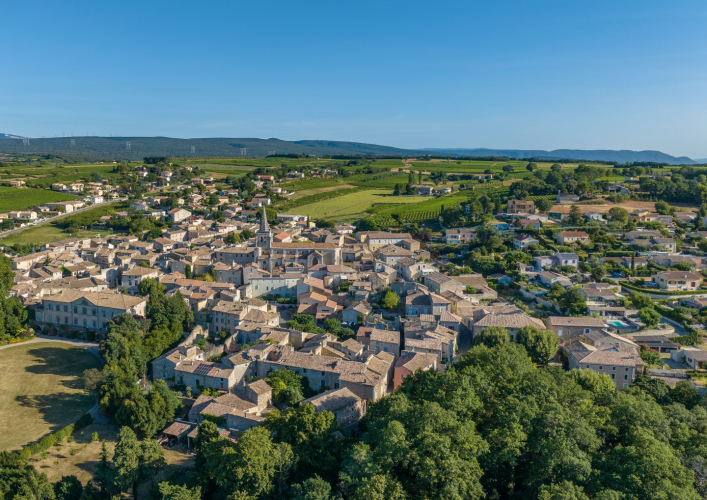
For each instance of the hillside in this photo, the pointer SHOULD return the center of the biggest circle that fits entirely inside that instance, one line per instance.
(622, 156)
(116, 148)
(111, 148)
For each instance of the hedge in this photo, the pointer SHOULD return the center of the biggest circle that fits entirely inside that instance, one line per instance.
(662, 292)
(51, 439)
(618, 253)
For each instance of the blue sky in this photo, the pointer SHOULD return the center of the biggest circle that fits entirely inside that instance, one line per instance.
(497, 74)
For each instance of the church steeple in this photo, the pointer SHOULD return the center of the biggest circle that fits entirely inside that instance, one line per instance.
(264, 236)
(264, 222)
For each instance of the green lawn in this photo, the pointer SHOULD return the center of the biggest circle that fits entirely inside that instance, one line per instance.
(53, 231)
(41, 390)
(18, 199)
(353, 206)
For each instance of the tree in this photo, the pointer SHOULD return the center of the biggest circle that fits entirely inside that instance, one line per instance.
(208, 433)
(248, 468)
(232, 238)
(126, 461)
(68, 488)
(541, 345)
(641, 300)
(332, 325)
(575, 217)
(470, 290)
(531, 166)
(287, 386)
(492, 336)
(367, 225)
(618, 214)
(649, 317)
(651, 357)
(314, 488)
(169, 491)
(187, 271)
(390, 300)
(396, 190)
(134, 463)
(544, 205)
(598, 272)
(685, 393)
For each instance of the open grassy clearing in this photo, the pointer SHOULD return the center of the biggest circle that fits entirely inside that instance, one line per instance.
(53, 231)
(18, 199)
(326, 189)
(46, 233)
(353, 206)
(83, 463)
(41, 390)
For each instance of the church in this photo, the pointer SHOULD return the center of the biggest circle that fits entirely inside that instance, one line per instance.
(306, 254)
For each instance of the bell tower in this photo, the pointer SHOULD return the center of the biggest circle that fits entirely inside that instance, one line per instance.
(263, 238)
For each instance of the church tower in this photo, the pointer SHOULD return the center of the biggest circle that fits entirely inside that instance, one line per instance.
(263, 237)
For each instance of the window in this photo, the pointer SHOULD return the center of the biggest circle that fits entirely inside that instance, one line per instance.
(613, 376)
(625, 377)
(66, 308)
(50, 317)
(76, 321)
(613, 368)
(336, 385)
(49, 307)
(104, 314)
(601, 367)
(66, 320)
(85, 323)
(84, 310)
(94, 323)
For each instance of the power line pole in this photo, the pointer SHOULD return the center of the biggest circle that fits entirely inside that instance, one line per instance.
(25, 141)
(271, 153)
(73, 142)
(127, 146)
(193, 149)
(243, 152)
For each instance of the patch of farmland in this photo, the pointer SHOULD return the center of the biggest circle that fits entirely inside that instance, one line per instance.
(354, 205)
(19, 199)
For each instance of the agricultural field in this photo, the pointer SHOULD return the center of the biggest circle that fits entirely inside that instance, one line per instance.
(53, 231)
(355, 205)
(41, 389)
(18, 199)
(425, 211)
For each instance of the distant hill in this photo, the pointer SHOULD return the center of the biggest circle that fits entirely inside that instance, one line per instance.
(622, 156)
(116, 148)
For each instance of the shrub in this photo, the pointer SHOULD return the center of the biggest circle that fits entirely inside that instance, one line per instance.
(94, 436)
(72, 451)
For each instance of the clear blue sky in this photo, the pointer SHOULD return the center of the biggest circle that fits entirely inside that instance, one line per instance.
(498, 74)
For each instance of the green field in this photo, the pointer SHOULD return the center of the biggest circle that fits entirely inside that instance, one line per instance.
(53, 231)
(18, 199)
(354, 206)
(41, 390)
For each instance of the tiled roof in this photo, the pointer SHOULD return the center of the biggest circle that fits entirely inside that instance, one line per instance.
(583, 321)
(389, 336)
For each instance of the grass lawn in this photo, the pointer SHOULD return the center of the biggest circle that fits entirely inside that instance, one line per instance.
(353, 206)
(18, 199)
(41, 390)
(47, 233)
(87, 455)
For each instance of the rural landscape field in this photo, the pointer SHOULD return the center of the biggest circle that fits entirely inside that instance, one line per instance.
(41, 389)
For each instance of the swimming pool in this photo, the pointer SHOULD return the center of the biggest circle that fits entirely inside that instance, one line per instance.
(617, 323)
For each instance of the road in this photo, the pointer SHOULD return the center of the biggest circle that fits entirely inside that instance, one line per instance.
(51, 219)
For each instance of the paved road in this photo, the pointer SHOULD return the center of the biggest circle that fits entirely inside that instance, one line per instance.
(52, 219)
(91, 347)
